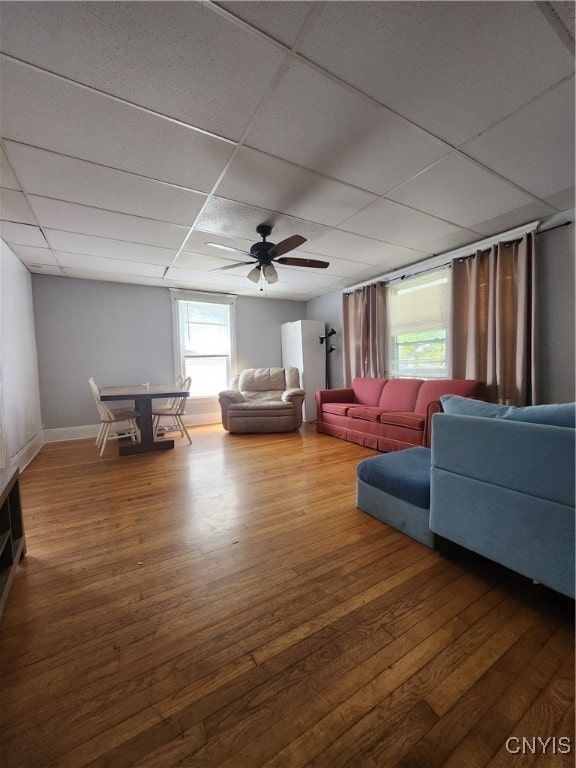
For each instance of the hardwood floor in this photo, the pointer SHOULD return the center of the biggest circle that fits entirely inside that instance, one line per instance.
(226, 604)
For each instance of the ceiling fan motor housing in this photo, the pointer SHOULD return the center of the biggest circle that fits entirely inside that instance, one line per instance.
(260, 250)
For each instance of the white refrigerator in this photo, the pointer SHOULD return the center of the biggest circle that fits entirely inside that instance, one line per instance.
(301, 348)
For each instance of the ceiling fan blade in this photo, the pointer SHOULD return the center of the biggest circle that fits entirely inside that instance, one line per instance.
(292, 261)
(228, 248)
(286, 245)
(231, 266)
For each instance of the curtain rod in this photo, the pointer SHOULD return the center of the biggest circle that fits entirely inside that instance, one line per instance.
(462, 258)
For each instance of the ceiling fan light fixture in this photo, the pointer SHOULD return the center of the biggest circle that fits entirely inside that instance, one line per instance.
(254, 274)
(270, 273)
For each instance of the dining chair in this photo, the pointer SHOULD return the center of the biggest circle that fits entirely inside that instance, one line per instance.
(174, 410)
(110, 416)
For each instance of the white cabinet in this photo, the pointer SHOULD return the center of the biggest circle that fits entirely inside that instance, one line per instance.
(301, 348)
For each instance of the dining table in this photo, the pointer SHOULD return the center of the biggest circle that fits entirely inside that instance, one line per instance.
(142, 395)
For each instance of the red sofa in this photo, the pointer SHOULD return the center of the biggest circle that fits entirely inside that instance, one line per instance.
(388, 414)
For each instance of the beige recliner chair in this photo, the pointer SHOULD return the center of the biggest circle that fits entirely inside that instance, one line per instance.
(263, 400)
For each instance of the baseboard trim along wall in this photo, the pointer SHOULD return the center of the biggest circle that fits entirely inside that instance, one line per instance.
(25, 455)
(91, 430)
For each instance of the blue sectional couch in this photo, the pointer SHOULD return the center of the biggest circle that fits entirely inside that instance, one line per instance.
(501, 484)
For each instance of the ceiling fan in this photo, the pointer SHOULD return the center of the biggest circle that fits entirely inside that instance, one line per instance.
(266, 253)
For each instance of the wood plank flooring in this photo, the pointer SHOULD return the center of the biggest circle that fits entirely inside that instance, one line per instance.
(226, 604)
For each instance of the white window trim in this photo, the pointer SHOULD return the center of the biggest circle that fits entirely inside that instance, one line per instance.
(177, 295)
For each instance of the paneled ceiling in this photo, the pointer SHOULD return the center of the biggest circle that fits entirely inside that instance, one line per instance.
(133, 133)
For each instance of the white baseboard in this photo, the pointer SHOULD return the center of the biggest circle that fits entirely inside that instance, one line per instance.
(71, 433)
(91, 430)
(26, 454)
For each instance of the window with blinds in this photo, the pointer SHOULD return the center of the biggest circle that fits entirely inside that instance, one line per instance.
(418, 317)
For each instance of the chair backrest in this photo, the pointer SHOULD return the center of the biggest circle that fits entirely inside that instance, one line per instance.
(178, 404)
(103, 411)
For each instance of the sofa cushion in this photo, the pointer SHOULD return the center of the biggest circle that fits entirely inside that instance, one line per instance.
(410, 420)
(556, 415)
(262, 380)
(340, 409)
(367, 391)
(404, 474)
(400, 394)
(365, 412)
(434, 389)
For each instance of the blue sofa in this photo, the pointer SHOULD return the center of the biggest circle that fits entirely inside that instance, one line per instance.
(504, 487)
(498, 481)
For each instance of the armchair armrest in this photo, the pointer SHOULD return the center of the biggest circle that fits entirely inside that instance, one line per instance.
(289, 394)
(226, 398)
(231, 395)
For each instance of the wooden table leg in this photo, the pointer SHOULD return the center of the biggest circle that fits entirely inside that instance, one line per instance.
(147, 443)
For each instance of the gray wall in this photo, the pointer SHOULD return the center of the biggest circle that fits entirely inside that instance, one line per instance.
(556, 283)
(258, 334)
(329, 309)
(120, 334)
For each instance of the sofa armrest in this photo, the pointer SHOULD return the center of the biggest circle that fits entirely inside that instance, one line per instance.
(433, 407)
(535, 459)
(344, 395)
(505, 489)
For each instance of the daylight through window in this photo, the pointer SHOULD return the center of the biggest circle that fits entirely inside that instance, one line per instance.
(418, 311)
(204, 343)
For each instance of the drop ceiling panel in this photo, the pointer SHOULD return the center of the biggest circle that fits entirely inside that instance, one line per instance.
(22, 234)
(45, 269)
(454, 68)
(30, 255)
(7, 177)
(514, 218)
(460, 191)
(93, 127)
(282, 21)
(216, 279)
(317, 123)
(344, 267)
(108, 266)
(230, 218)
(534, 147)
(65, 178)
(450, 242)
(118, 186)
(114, 249)
(95, 221)
(110, 277)
(398, 224)
(14, 207)
(265, 181)
(180, 59)
(563, 199)
(345, 245)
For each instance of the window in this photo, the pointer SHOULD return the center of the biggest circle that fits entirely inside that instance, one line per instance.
(418, 310)
(203, 331)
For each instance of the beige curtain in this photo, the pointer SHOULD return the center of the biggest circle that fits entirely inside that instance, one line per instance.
(494, 320)
(364, 332)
